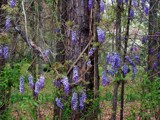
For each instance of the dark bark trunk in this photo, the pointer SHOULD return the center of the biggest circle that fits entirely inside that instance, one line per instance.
(83, 25)
(152, 43)
(125, 52)
(118, 49)
(60, 50)
(114, 104)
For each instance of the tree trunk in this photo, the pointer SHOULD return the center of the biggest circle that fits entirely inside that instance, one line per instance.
(118, 49)
(82, 22)
(153, 42)
(125, 53)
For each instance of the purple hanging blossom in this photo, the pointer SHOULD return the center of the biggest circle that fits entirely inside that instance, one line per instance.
(5, 52)
(74, 101)
(105, 79)
(41, 81)
(58, 103)
(12, 3)
(21, 85)
(134, 70)
(125, 69)
(134, 3)
(57, 83)
(65, 84)
(37, 88)
(137, 59)
(146, 10)
(120, 1)
(90, 4)
(74, 36)
(144, 39)
(102, 6)
(30, 80)
(82, 100)
(91, 51)
(143, 1)
(75, 74)
(154, 66)
(8, 23)
(128, 60)
(134, 49)
(126, 1)
(131, 13)
(110, 72)
(101, 35)
(114, 60)
(89, 63)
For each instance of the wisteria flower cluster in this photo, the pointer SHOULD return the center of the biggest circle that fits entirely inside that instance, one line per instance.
(113, 59)
(90, 4)
(75, 74)
(101, 6)
(74, 102)
(12, 4)
(74, 36)
(30, 80)
(131, 62)
(8, 23)
(101, 35)
(59, 103)
(105, 79)
(114, 64)
(91, 51)
(38, 85)
(65, 84)
(21, 85)
(4, 51)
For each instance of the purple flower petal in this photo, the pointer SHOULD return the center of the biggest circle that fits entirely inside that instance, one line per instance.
(131, 13)
(82, 100)
(75, 74)
(74, 101)
(74, 36)
(146, 10)
(101, 35)
(65, 84)
(8, 23)
(125, 69)
(30, 80)
(12, 3)
(90, 4)
(58, 103)
(21, 85)
(105, 79)
(102, 6)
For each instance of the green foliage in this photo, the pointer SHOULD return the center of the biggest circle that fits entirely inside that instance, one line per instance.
(8, 78)
(150, 99)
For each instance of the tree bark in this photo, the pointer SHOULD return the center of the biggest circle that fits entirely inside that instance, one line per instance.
(118, 49)
(152, 43)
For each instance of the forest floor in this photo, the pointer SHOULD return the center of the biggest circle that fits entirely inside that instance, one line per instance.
(46, 111)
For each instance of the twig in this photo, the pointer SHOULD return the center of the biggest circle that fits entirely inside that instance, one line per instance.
(25, 19)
